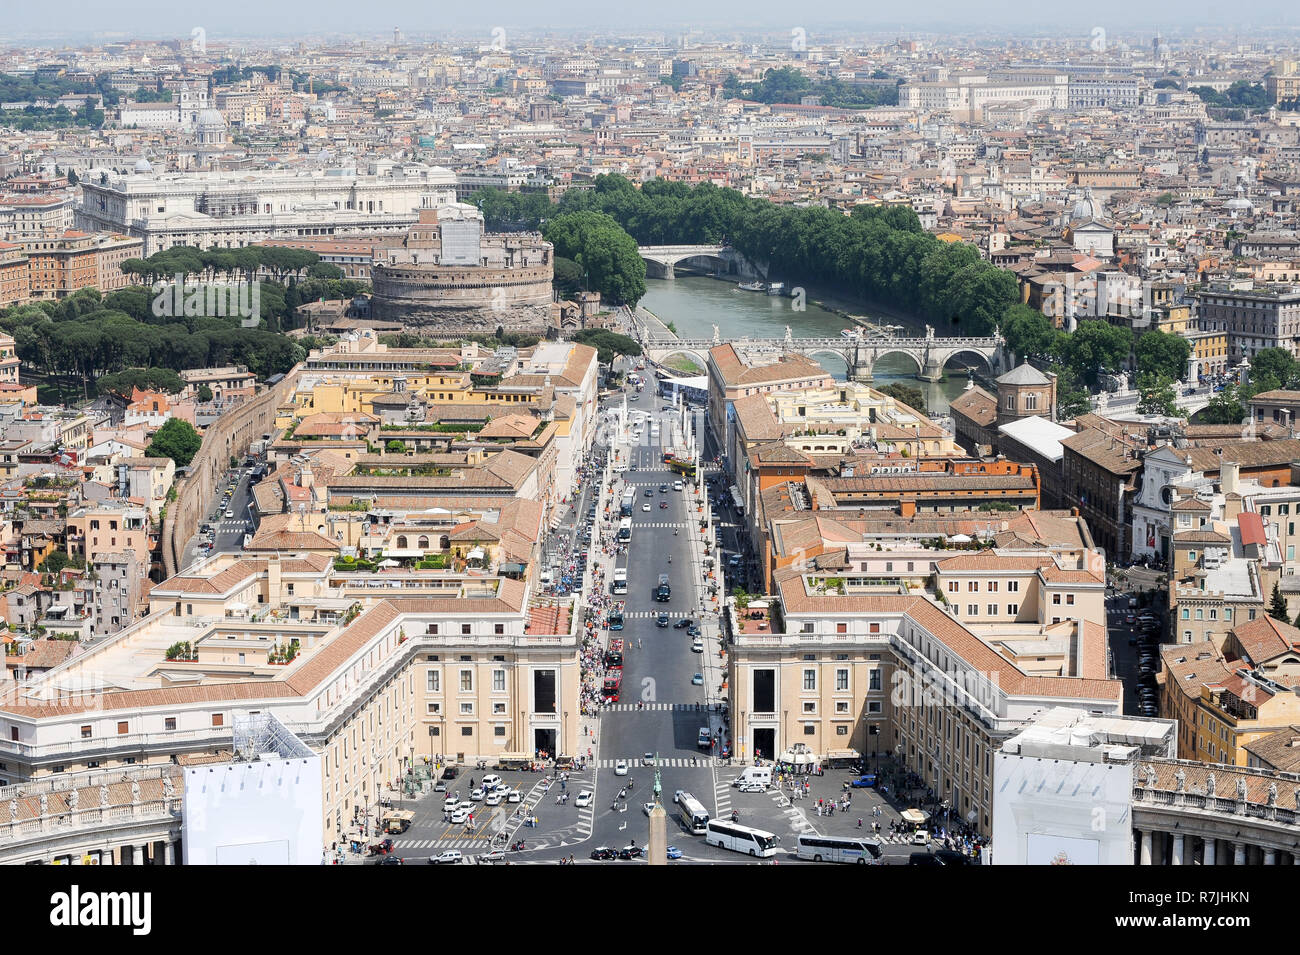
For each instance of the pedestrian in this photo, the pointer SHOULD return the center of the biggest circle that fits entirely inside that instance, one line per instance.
(859, 823)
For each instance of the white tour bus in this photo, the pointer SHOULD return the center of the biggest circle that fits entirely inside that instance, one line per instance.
(738, 838)
(694, 815)
(815, 848)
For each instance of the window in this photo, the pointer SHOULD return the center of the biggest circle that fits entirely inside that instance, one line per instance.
(1013, 609)
(499, 628)
(873, 680)
(809, 729)
(433, 629)
(1013, 586)
(466, 681)
(85, 732)
(1056, 599)
(498, 731)
(873, 706)
(992, 586)
(810, 706)
(169, 723)
(875, 628)
(467, 709)
(973, 610)
(841, 628)
(953, 586)
(433, 682)
(498, 708)
(1069, 600)
(972, 586)
(1031, 401)
(810, 679)
(218, 719)
(1011, 403)
(1200, 614)
(1227, 613)
(993, 610)
(433, 709)
(498, 681)
(1187, 614)
(841, 679)
(465, 629)
(842, 706)
(841, 731)
(467, 731)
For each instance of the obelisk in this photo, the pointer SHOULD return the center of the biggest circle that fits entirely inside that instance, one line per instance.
(658, 847)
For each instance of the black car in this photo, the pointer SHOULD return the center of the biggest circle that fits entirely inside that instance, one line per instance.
(662, 620)
(450, 772)
(694, 631)
(630, 852)
(663, 488)
(602, 854)
(649, 492)
(683, 623)
(939, 857)
(391, 860)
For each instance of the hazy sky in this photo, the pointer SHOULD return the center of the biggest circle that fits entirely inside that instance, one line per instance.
(84, 20)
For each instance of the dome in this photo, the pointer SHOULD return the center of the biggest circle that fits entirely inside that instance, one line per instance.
(211, 118)
(142, 165)
(1087, 208)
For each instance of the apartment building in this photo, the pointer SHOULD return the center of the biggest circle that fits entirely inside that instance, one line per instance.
(826, 659)
(1254, 317)
(60, 264)
(469, 667)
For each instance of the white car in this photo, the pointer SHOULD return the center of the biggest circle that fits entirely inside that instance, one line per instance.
(476, 795)
(491, 782)
(647, 807)
(489, 858)
(645, 507)
(230, 513)
(921, 837)
(450, 856)
(620, 768)
(460, 815)
(697, 646)
(584, 799)
(451, 802)
(513, 796)
(493, 798)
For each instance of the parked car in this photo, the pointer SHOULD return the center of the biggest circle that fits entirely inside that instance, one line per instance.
(477, 795)
(630, 852)
(697, 680)
(493, 798)
(697, 646)
(694, 631)
(602, 853)
(391, 860)
(514, 796)
(674, 853)
(683, 623)
(491, 780)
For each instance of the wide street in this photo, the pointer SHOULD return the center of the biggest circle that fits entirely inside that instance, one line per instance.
(662, 732)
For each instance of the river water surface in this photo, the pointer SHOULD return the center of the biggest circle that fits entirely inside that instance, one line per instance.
(695, 303)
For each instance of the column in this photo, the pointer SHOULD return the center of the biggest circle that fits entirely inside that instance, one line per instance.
(1145, 855)
(1270, 855)
(1239, 853)
(1177, 856)
(1209, 851)
(137, 855)
(169, 853)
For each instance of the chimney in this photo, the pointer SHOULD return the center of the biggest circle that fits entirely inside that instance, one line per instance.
(1229, 474)
(273, 579)
(305, 476)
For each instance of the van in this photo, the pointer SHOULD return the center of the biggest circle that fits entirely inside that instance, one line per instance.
(705, 738)
(754, 776)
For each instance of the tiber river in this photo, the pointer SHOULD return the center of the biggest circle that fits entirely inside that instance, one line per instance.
(695, 303)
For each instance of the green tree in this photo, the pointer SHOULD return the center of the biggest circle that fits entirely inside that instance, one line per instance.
(1156, 395)
(177, 440)
(1226, 407)
(204, 393)
(1095, 347)
(567, 276)
(609, 345)
(395, 447)
(1277, 606)
(605, 252)
(1028, 333)
(1272, 368)
(907, 394)
(1162, 353)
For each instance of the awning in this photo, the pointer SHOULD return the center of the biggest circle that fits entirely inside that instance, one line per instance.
(390, 563)
(476, 554)
(915, 816)
(512, 568)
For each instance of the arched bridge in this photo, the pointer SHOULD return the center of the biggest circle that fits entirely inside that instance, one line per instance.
(663, 259)
(859, 353)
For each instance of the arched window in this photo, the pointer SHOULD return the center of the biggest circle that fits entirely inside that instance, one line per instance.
(444, 542)
(424, 543)
(401, 541)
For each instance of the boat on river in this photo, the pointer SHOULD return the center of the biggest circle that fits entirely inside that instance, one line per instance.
(753, 286)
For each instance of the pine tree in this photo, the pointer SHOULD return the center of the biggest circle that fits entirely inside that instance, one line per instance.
(1277, 606)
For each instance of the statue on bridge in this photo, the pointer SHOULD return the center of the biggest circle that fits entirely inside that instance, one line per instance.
(929, 331)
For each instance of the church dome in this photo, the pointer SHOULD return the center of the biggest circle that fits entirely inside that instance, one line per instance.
(142, 165)
(211, 119)
(1087, 207)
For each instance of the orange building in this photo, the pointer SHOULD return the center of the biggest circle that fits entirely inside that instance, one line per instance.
(15, 284)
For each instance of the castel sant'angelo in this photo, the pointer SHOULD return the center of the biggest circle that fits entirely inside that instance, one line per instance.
(450, 277)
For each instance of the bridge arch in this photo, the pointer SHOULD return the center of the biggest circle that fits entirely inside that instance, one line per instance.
(661, 357)
(915, 355)
(987, 360)
(839, 356)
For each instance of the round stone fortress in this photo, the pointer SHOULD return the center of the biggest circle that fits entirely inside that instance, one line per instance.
(449, 277)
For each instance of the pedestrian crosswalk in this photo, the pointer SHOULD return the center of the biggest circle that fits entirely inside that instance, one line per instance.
(231, 525)
(480, 843)
(674, 707)
(663, 762)
(649, 614)
(661, 524)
